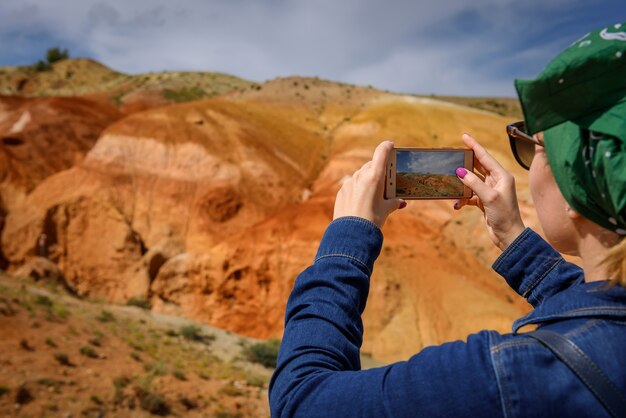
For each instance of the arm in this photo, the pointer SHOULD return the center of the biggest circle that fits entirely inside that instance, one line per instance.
(534, 269)
(318, 372)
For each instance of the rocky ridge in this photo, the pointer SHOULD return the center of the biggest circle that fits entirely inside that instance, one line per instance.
(210, 209)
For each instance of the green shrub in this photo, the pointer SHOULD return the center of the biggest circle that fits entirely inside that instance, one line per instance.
(4, 390)
(158, 368)
(62, 358)
(186, 94)
(191, 332)
(41, 66)
(231, 390)
(43, 300)
(88, 352)
(179, 374)
(224, 413)
(121, 382)
(154, 403)
(138, 302)
(105, 316)
(57, 54)
(264, 353)
(95, 341)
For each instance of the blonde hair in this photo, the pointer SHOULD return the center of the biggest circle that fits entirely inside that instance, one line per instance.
(615, 262)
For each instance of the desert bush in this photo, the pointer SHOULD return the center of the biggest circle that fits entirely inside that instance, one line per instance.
(188, 403)
(52, 384)
(265, 353)
(105, 316)
(179, 374)
(88, 352)
(224, 413)
(62, 358)
(23, 395)
(256, 380)
(4, 390)
(191, 332)
(41, 66)
(25, 345)
(138, 302)
(158, 368)
(153, 403)
(95, 341)
(186, 94)
(57, 54)
(43, 300)
(119, 383)
(230, 390)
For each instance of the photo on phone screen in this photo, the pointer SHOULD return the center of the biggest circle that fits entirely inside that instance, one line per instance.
(429, 173)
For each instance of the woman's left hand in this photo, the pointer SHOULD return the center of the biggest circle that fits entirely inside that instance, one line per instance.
(363, 194)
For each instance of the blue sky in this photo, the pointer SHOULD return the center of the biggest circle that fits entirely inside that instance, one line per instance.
(429, 162)
(456, 47)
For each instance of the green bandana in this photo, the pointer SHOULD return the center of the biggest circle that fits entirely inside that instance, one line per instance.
(590, 170)
(582, 83)
(579, 101)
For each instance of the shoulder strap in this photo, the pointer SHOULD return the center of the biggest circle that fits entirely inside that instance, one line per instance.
(586, 369)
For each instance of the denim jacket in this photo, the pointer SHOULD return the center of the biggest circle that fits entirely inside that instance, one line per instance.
(489, 375)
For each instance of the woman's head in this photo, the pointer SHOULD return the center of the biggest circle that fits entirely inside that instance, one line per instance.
(578, 103)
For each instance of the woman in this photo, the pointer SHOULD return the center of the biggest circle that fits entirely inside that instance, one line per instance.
(577, 110)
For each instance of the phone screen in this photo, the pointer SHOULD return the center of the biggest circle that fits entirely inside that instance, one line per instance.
(429, 173)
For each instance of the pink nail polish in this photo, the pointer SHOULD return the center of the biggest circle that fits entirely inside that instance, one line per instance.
(402, 205)
(456, 205)
(461, 172)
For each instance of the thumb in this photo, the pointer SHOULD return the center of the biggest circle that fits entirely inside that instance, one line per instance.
(392, 205)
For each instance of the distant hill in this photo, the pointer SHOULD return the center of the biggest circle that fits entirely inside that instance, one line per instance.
(83, 76)
(436, 185)
(502, 106)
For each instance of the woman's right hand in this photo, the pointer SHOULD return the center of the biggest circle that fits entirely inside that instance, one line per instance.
(494, 195)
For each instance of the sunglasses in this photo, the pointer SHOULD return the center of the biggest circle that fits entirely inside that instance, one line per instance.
(522, 144)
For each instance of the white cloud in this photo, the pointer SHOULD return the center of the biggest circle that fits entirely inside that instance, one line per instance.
(445, 47)
(428, 162)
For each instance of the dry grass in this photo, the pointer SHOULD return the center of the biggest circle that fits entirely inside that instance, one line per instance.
(139, 362)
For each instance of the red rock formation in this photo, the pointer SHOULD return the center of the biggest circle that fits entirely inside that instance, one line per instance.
(42, 136)
(212, 208)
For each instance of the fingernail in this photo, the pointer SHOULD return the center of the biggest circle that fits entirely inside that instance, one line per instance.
(456, 205)
(402, 205)
(461, 172)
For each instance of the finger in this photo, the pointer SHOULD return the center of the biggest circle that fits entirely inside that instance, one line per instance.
(473, 201)
(479, 167)
(471, 180)
(379, 160)
(484, 158)
(480, 176)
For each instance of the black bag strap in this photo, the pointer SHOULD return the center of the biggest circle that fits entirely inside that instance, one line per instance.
(586, 369)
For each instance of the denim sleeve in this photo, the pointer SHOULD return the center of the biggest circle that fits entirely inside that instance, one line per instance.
(534, 269)
(318, 372)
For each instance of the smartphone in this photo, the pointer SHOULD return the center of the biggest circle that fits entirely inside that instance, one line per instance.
(427, 173)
